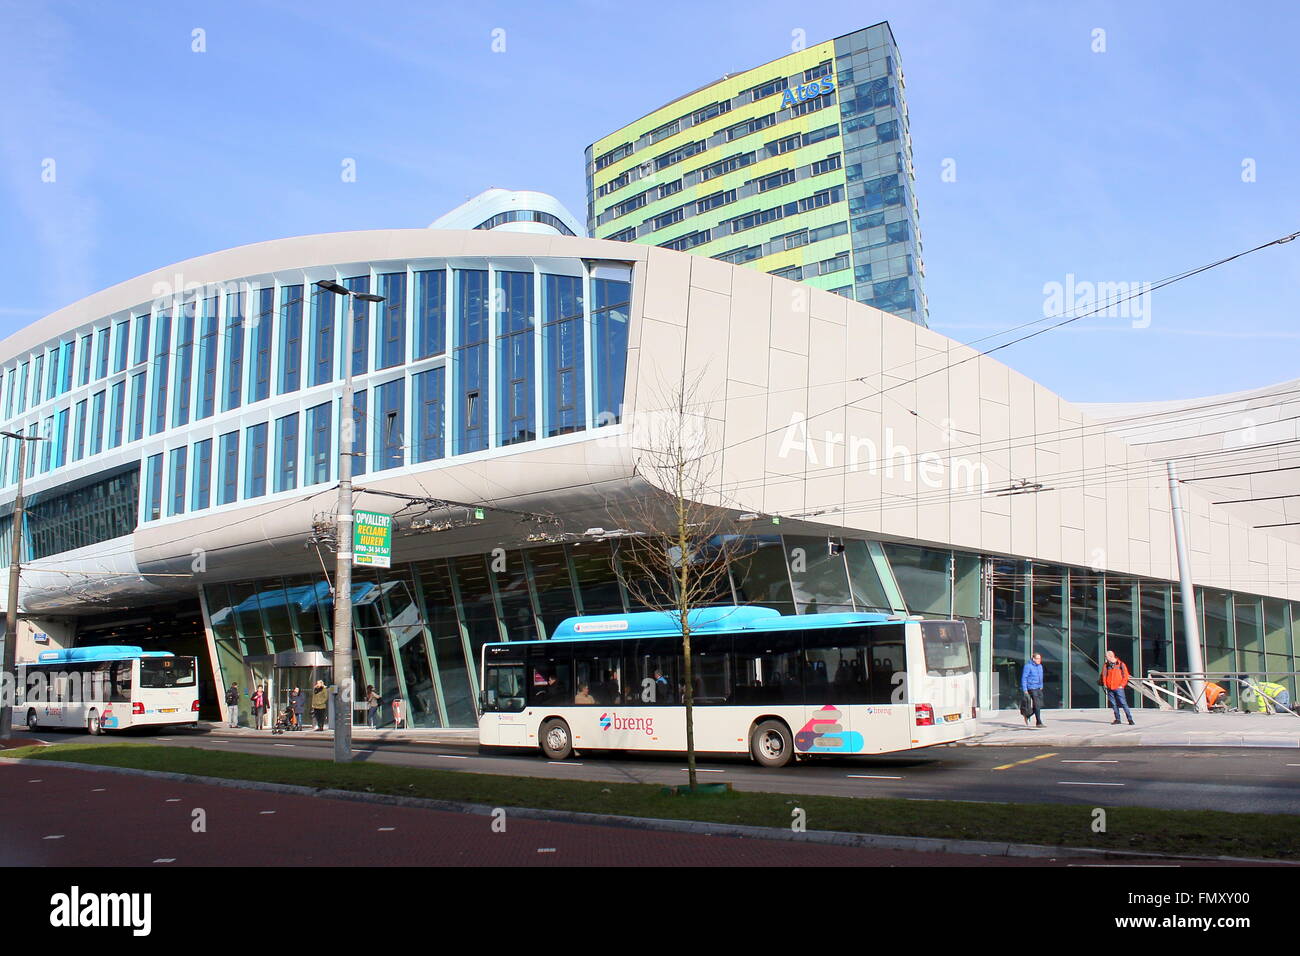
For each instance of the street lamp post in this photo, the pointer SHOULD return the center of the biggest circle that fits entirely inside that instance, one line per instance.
(343, 543)
(11, 611)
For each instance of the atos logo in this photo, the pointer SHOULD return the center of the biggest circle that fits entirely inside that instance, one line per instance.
(644, 724)
(806, 91)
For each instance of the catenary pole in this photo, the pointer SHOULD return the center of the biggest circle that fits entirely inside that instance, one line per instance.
(343, 550)
(1191, 630)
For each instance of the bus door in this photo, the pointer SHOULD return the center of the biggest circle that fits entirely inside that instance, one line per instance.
(505, 694)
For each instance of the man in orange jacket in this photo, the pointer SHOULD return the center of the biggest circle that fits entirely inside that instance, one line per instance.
(1114, 677)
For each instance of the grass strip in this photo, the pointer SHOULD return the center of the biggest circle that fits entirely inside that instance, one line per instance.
(1197, 832)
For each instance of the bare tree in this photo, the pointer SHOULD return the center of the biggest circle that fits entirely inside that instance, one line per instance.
(683, 537)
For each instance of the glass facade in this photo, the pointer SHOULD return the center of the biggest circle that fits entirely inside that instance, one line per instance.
(801, 167)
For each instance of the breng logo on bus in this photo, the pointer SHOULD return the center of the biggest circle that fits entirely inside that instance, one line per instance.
(646, 724)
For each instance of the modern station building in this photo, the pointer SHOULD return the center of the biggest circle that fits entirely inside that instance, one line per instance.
(185, 493)
(801, 168)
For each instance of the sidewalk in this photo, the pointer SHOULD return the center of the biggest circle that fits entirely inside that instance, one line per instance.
(1154, 728)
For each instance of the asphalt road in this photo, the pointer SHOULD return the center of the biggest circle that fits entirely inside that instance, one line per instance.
(1260, 780)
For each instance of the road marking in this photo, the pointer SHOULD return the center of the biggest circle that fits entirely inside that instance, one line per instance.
(173, 799)
(1008, 766)
(546, 849)
(99, 790)
(449, 756)
(1088, 783)
(1293, 765)
(386, 829)
(37, 780)
(53, 836)
(284, 745)
(165, 859)
(266, 812)
(871, 776)
(1089, 761)
(700, 770)
(564, 763)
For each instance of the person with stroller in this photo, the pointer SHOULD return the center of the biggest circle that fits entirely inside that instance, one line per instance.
(298, 701)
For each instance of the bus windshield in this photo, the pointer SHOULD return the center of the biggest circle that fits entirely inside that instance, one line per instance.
(946, 652)
(159, 672)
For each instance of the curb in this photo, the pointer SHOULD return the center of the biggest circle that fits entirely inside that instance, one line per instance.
(828, 837)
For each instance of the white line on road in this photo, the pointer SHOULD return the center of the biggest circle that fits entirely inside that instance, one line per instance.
(449, 756)
(1089, 761)
(284, 745)
(700, 770)
(386, 829)
(1088, 783)
(173, 799)
(546, 849)
(53, 836)
(37, 780)
(266, 812)
(99, 790)
(871, 776)
(165, 859)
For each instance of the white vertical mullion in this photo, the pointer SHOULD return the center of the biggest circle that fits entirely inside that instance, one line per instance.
(448, 355)
(491, 388)
(589, 385)
(539, 361)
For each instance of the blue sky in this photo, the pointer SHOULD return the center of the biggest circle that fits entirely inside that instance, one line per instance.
(1117, 166)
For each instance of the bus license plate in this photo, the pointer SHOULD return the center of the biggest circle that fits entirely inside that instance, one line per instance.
(951, 717)
(172, 710)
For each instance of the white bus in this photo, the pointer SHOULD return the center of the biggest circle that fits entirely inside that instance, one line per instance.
(776, 687)
(107, 688)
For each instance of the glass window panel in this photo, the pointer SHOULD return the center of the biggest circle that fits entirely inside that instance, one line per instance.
(153, 488)
(564, 391)
(761, 575)
(261, 333)
(390, 425)
(516, 419)
(868, 592)
(609, 321)
(820, 578)
(319, 436)
(1010, 631)
(137, 406)
(1051, 629)
(207, 391)
(924, 576)
(176, 498)
(392, 321)
(454, 678)
(430, 313)
(286, 453)
(232, 392)
(290, 378)
(121, 344)
(255, 450)
(184, 363)
(429, 414)
(201, 492)
(228, 469)
(469, 362)
(360, 324)
(322, 336)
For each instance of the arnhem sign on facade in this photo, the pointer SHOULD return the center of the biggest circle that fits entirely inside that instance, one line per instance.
(196, 408)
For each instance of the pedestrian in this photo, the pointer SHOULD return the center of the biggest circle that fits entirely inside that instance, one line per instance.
(259, 705)
(372, 707)
(298, 701)
(320, 698)
(1031, 684)
(1114, 677)
(232, 704)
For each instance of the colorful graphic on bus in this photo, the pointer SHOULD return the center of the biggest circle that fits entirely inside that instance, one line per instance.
(823, 734)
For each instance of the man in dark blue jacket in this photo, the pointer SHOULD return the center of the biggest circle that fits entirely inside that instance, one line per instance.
(1031, 683)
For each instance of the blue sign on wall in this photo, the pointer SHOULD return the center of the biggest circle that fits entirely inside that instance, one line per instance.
(806, 91)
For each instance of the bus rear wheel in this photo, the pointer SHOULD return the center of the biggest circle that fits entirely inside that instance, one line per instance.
(92, 723)
(771, 744)
(556, 741)
(31, 720)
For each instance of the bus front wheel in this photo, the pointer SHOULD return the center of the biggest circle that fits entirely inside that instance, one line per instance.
(92, 723)
(771, 744)
(557, 742)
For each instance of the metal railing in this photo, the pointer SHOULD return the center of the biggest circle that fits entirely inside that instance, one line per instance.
(1171, 688)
